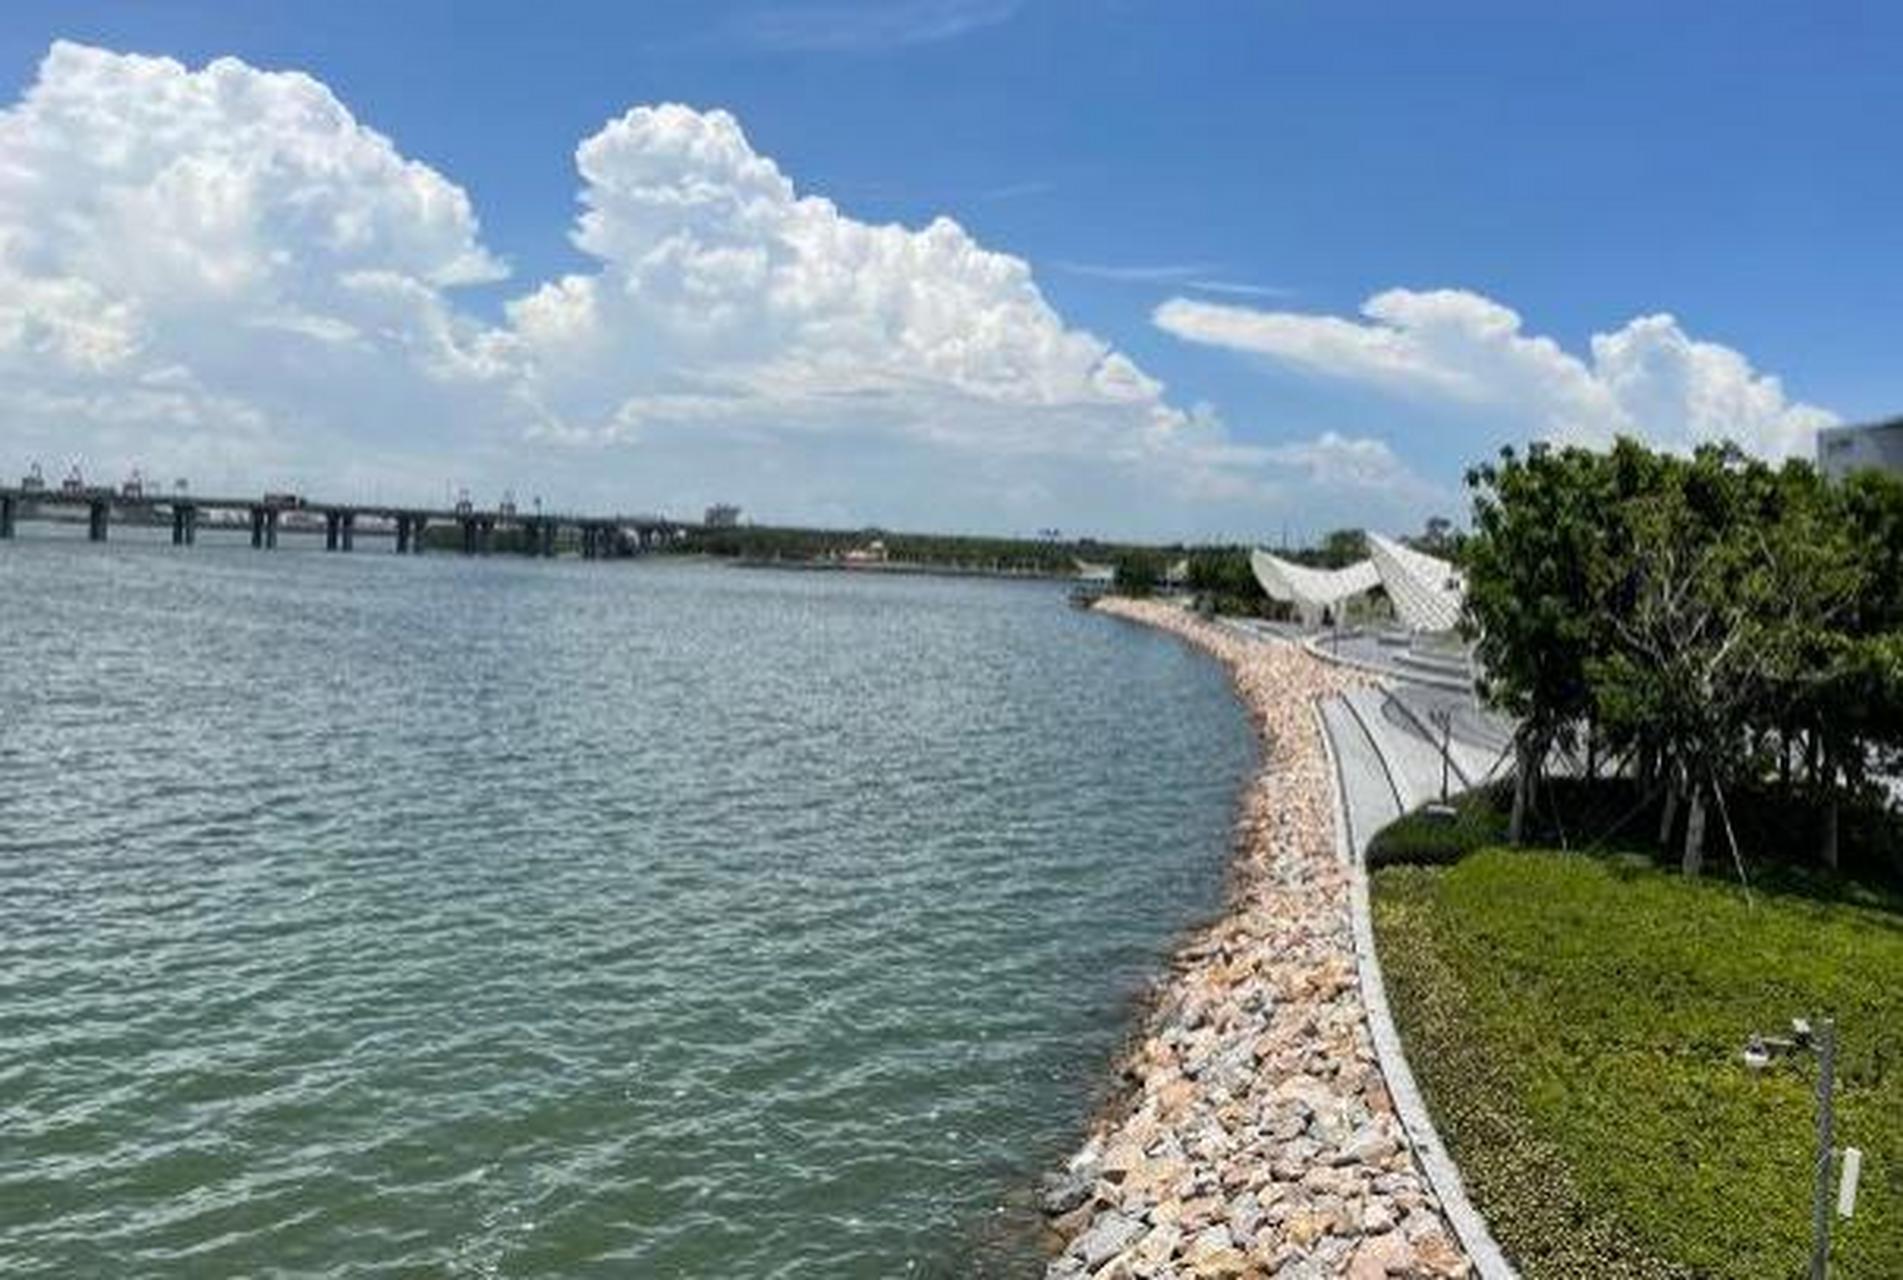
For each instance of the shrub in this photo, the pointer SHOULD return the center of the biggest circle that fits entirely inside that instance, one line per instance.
(1425, 838)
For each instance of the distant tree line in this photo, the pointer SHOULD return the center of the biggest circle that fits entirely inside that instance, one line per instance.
(1710, 622)
(976, 554)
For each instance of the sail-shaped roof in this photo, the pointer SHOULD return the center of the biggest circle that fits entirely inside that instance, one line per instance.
(1427, 592)
(1310, 590)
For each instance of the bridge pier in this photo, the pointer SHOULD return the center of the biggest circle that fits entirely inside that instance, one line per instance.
(348, 524)
(333, 521)
(184, 525)
(589, 544)
(7, 514)
(417, 525)
(548, 538)
(98, 516)
(469, 537)
(485, 536)
(270, 529)
(402, 535)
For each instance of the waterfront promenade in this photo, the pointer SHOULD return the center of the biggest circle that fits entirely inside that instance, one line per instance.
(1255, 1133)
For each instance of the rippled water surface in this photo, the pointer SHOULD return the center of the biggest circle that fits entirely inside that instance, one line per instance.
(428, 916)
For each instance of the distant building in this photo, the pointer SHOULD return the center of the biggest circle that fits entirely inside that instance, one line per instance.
(722, 515)
(1841, 450)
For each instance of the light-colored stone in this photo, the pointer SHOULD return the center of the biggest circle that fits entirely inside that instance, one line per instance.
(1259, 1138)
(1108, 1236)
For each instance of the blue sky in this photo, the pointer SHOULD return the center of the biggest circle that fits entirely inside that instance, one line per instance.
(1734, 167)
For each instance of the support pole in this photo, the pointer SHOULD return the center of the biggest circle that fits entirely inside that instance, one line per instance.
(257, 528)
(332, 522)
(191, 526)
(402, 534)
(1820, 1192)
(347, 523)
(6, 516)
(271, 528)
(417, 524)
(98, 516)
(178, 526)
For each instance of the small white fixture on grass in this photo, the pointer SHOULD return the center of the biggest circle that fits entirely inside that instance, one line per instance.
(1847, 1182)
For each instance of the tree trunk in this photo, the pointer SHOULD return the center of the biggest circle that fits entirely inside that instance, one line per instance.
(1592, 754)
(1668, 815)
(1827, 841)
(1694, 862)
(1522, 793)
(1784, 761)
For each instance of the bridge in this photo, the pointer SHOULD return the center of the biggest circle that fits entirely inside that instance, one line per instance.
(598, 536)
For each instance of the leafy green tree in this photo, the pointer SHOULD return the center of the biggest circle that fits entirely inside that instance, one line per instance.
(1138, 572)
(1223, 577)
(1530, 563)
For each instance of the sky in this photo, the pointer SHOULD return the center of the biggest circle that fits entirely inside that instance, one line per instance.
(1154, 269)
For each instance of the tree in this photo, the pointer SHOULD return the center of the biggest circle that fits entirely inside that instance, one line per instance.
(1529, 565)
(1138, 572)
(1341, 548)
(1223, 576)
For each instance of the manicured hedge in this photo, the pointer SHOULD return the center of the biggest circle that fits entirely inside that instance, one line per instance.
(1576, 1023)
(1435, 839)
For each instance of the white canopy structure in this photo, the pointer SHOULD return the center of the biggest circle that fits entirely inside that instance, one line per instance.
(1087, 571)
(1311, 591)
(1427, 592)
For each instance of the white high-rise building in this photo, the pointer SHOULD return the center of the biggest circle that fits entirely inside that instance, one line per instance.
(1841, 450)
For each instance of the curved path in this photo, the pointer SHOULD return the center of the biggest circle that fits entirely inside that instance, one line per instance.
(1368, 795)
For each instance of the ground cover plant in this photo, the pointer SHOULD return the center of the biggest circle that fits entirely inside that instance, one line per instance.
(1577, 1023)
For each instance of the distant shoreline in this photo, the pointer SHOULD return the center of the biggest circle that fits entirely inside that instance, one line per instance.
(895, 568)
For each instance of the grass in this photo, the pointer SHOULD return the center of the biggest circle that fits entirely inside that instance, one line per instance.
(1576, 1024)
(1429, 840)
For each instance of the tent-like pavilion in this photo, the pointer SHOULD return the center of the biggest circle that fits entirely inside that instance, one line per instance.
(1314, 593)
(1426, 592)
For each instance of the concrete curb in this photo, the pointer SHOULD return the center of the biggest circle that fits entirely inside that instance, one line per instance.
(1482, 1250)
(1320, 651)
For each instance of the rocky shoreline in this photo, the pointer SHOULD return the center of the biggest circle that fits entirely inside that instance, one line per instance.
(1254, 1135)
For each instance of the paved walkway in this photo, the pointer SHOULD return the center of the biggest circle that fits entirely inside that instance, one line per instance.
(1369, 795)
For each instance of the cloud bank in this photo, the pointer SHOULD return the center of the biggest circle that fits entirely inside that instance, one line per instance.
(222, 273)
(1648, 379)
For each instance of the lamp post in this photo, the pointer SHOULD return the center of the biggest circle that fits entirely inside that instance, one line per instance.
(1443, 720)
(1757, 1055)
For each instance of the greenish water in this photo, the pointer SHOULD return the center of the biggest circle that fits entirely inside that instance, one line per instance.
(365, 915)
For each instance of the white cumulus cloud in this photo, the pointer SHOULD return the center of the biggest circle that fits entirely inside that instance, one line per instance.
(1648, 378)
(212, 267)
(220, 271)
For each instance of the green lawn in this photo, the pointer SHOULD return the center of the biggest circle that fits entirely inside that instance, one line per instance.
(1576, 1023)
